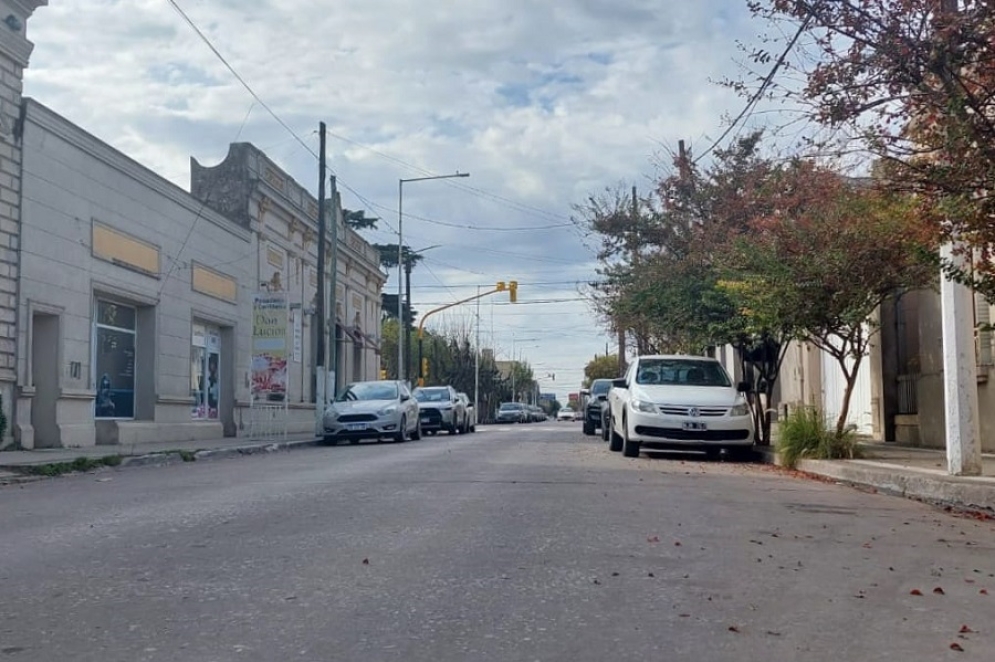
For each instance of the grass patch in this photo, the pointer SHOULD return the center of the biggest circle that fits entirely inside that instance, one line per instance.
(80, 464)
(805, 434)
(188, 456)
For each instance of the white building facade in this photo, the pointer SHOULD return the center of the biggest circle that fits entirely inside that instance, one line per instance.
(135, 297)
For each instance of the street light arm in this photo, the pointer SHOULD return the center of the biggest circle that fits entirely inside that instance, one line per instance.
(421, 323)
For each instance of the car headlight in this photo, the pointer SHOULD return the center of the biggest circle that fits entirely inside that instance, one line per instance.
(331, 413)
(742, 409)
(389, 409)
(643, 405)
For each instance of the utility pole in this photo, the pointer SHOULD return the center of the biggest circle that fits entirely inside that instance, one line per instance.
(632, 251)
(333, 362)
(319, 355)
(476, 366)
(408, 318)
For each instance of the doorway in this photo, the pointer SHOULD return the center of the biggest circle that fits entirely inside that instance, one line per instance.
(45, 378)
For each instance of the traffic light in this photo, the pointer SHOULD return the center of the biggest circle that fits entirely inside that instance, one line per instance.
(500, 286)
(513, 291)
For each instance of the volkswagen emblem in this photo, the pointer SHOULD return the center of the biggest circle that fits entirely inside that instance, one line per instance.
(693, 412)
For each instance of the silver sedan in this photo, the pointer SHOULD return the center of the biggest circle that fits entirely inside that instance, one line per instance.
(373, 410)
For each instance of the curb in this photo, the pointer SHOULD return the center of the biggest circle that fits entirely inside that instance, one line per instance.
(19, 474)
(958, 492)
(963, 492)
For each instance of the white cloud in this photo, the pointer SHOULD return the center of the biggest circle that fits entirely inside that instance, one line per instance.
(544, 103)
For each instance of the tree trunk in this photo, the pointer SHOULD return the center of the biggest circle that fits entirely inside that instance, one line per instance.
(851, 382)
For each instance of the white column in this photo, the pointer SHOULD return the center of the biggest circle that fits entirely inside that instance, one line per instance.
(960, 373)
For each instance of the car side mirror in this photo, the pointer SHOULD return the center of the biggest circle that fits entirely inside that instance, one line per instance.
(619, 383)
(405, 397)
(585, 391)
(743, 387)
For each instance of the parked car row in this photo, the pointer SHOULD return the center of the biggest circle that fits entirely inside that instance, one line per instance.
(673, 402)
(389, 409)
(519, 412)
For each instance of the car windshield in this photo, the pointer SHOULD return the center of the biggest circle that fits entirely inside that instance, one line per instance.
(601, 387)
(369, 391)
(509, 406)
(432, 395)
(682, 372)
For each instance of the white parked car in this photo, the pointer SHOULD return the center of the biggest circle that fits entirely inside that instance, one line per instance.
(373, 410)
(684, 402)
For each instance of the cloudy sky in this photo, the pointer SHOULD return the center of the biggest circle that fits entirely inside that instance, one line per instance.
(542, 102)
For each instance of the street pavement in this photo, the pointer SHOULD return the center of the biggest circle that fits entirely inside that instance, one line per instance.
(523, 543)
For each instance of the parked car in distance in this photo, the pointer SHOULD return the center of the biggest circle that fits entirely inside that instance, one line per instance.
(471, 413)
(372, 410)
(596, 403)
(512, 412)
(565, 414)
(441, 409)
(685, 402)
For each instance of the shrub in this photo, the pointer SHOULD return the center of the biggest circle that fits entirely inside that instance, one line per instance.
(804, 434)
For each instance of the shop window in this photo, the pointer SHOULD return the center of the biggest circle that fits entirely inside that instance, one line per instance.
(114, 360)
(205, 371)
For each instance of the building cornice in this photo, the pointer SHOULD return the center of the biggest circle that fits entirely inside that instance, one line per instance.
(16, 45)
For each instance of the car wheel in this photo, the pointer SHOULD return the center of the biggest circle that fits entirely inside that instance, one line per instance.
(588, 428)
(629, 448)
(615, 439)
(452, 429)
(416, 435)
(402, 431)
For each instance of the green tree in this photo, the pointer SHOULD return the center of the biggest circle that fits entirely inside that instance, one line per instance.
(601, 367)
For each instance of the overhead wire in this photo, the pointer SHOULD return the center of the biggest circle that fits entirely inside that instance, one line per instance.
(755, 97)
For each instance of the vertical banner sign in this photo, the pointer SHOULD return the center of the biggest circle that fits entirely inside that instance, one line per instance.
(269, 346)
(298, 336)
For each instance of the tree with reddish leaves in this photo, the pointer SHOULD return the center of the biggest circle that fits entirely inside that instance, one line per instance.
(824, 257)
(912, 82)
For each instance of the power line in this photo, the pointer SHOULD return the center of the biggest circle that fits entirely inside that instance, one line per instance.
(763, 88)
(239, 78)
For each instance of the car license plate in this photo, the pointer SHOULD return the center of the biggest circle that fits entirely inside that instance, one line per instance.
(356, 427)
(695, 427)
(426, 420)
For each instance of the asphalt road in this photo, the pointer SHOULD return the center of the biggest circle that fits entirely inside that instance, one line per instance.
(519, 543)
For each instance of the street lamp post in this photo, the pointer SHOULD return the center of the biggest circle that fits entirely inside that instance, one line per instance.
(402, 324)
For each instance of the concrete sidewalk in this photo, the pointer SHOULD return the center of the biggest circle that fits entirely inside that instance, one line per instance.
(916, 473)
(18, 463)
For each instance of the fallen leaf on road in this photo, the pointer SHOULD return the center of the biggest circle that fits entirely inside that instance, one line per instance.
(773, 634)
(651, 574)
(969, 581)
(653, 539)
(614, 574)
(956, 647)
(939, 591)
(965, 629)
(677, 543)
(366, 562)
(733, 628)
(983, 591)
(685, 615)
(598, 582)
(915, 591)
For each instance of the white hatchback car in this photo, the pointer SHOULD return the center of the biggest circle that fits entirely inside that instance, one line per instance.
(684, 402)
